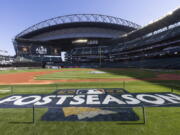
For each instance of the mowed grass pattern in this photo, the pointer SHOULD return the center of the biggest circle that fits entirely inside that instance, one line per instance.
(159, 120)
(93, 74)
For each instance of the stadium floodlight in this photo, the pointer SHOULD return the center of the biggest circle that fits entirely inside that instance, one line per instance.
(80, 41)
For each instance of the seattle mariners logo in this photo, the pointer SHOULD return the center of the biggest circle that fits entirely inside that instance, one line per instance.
(41, 50)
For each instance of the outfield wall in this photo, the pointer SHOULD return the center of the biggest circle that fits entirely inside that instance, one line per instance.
(164, 63)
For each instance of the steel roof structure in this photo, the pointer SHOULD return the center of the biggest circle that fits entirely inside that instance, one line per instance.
(166, 21)
(79, 18)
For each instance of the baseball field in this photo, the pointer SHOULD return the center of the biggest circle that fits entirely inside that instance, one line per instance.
(154, 120)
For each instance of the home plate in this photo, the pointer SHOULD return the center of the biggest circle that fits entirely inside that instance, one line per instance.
(4, 91)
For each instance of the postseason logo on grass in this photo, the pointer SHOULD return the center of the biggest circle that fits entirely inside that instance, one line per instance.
(91, 98)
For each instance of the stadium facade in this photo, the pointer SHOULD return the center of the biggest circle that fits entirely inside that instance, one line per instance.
(5, 59)
(93, 40)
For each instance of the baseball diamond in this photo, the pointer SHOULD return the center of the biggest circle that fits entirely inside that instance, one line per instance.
(90, 73)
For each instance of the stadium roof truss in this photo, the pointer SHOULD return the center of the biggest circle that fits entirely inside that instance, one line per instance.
(164, 22)
(78, 18)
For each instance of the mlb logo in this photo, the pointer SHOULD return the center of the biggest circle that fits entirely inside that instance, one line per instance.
(90, 91)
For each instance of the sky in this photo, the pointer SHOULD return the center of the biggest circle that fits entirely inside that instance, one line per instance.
(17, 15)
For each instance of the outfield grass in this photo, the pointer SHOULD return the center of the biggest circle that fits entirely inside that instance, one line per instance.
(108, 73)
(159, 120)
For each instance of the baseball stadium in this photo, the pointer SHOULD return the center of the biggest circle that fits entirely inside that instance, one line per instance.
(93, 74)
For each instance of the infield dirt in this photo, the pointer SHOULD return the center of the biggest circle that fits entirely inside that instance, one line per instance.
(29, 78)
